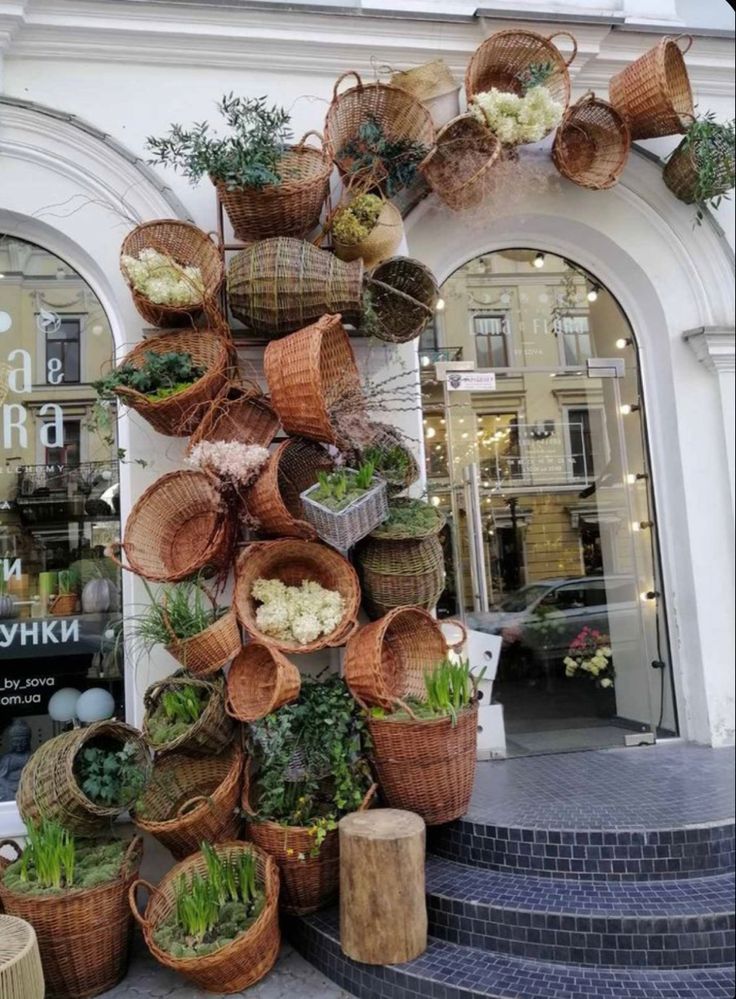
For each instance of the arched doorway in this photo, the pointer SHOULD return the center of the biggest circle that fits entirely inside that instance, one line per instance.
(533, 430)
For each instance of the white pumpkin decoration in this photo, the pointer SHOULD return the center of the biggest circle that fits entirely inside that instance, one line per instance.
(99, 596)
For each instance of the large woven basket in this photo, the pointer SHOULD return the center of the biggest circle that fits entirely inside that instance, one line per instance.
(460, 167)
(238, 964)
(381, 532)
(259, 681)
(187, 246)
(209, 734)
(653, 93)
(387, 659)
(280, 285)
(292, 561)
(592, 144)
(48, 786)
(311, 375)
(427, 767)
(290, 208)
(178, 415)
(409, 573)
(177, 527)
(241, 414)
(206, 653)
(681, 173)
(382, 435)
(504, 58)
(21, 973)
(84, 934)
(381, 241)
(191, 799)
(403, 295)
(399, 114)
(274, 499)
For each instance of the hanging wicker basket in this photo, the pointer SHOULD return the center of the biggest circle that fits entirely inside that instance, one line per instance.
(192, 799)
(84, 934)
(682, 176)
(187, 246)
(403, 295)
(503, 60)
(206, 653)
(239, 413)
(460, 167)
(21, 973)
(385, 437)
(592, 144)
(398, 113)
(293, 561)
(653, 93)
(427, 766)
(259, 681)
(407, 573)
(311, 375)
(274, 499)
(280, 285)
(238, 964)
(387, 659)
(179, 526)
(209, 734)
(434, 85)
(49, 788)
(379, 244)
(180, 414)
(290, 208)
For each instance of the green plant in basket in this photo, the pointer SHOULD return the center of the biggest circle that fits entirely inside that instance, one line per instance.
(391, 461)
(176, 711)
(375, 160)
(711, 144)
(450, 687)
(159, 377)
(408, 518)
(355, 222)
(68, 582)
(110, 776)
(338, 490)
(178, 611)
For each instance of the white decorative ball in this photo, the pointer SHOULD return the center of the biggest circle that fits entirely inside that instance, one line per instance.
(62, 704)
(95, 704)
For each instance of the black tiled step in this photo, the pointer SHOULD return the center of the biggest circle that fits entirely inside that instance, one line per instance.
(636, 854)
(449, 971)
(664, 924)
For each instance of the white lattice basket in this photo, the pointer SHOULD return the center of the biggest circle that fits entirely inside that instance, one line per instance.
(343, 528)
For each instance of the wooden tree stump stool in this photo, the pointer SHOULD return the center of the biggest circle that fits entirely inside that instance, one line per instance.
(21, 974)
(383, 910)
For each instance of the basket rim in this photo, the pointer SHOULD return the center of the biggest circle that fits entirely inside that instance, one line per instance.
(427, 722)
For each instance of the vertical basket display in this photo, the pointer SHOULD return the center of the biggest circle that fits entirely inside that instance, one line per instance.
(344, 528)
(274, 500)
(400, 573)
(460, 167)
(654, 93)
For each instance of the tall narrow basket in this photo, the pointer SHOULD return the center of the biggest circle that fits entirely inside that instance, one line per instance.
(460, 167)
(260, 681)
(274, 499)
(403, 573)
(592, 144)
(209, 734)
(187, 246)
(653, 93)
(239, 414)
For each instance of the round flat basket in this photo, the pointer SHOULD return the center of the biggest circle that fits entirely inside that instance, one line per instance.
(504, 59)
(21, 974)
(592, 144)
(403, 294)
(460, 167)
(274, 499)
(653, 93)
(260, 681)
(187, 246)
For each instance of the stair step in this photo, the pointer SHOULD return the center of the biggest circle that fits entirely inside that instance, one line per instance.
(665, 924)
(451, 971)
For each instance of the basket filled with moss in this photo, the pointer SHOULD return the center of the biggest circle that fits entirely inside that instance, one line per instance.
(346, 504)
(74, 892)
(409, 519)
(188, 714)
(214, 917)
(367, 227)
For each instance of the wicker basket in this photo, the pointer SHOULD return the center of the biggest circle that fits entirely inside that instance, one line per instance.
(210, 650)
(592, 144)
(178, 415)
(274, 499)
(653, 93)
(177, 527)
(407, 573)
(311, 375)
(403, 295)
(238, 964)
(460, 167)
(503, 60)
(344, 528)
(186, 245)
(280, 285)
(64, 604)
(427, 767)
(381, 241)
(48, 786)
(399, 114)
(21, 973)
(382, 435)
(191, 799)
(259, 681)
(209, 734)
(292, 561)
(290, 208)
(387, 659)
(84, 934)
(399, 501)
(434, 85)
(238, 414)
(681, 173)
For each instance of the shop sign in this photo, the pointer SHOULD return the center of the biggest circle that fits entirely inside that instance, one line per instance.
(471, 381)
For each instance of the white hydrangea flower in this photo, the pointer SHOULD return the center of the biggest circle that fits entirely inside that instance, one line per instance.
(514, 119)
(163, 281)
(297, 613)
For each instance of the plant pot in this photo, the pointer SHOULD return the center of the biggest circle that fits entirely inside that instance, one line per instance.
(681, 173)
(210, 650)
(64, 604)
(343, 528)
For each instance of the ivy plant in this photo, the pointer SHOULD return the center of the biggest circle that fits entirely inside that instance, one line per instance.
(712, 146)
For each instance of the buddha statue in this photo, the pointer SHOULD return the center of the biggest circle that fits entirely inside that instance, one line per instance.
(12, 762)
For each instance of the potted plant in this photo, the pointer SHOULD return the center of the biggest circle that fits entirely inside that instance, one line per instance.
(214, 917)
(409, 519)
(393, 461)
(372, 160)
(367, 227)
(187, 713)
(346, 504)
(701, 169)
(158, 377)
(66, 601)
(590, 656)
(307, 770)
(74, 891)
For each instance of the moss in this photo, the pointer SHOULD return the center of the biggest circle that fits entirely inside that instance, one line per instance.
(356, 221)
(235, 919)
(96, 862)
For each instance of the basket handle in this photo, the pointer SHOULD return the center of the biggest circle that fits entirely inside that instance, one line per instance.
(351, 626)
(132, 901)
(230, 711)
(368, 798)
(688, 42)
(338, 81)
(188, 804)
(401, 294)
(135, 844)
(464, 637)
(15, 845)
(302, 143)
(566, 34)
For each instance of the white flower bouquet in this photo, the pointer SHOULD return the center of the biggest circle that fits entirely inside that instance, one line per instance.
(515, 119)
(590, 655)
(297, 613)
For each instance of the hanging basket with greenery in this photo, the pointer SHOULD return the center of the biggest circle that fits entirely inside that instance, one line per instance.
(701, 169)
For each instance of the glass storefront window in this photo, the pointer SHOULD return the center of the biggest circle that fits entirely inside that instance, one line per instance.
(59, 509)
